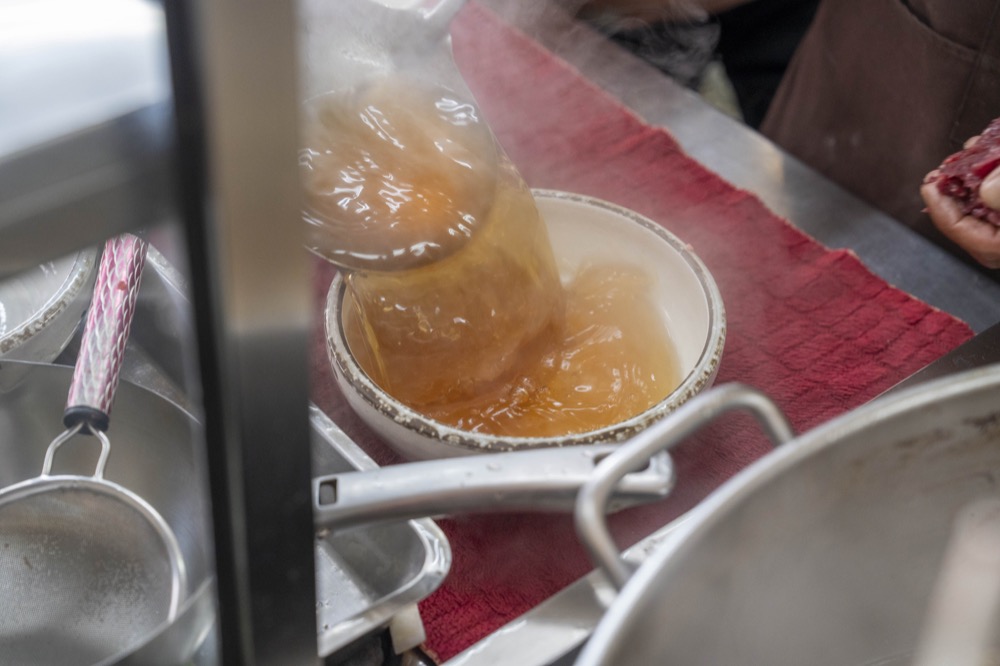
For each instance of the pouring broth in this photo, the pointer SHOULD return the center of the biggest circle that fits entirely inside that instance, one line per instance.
(454, 303)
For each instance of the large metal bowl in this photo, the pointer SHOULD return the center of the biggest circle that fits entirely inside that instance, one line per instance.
(825, 552)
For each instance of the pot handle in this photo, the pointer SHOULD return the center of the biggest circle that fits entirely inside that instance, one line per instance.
(690, 417)
(546, 479)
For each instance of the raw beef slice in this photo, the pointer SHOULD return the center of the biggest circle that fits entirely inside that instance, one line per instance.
(961, 174)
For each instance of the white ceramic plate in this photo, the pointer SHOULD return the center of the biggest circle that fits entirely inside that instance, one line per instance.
(581, 229)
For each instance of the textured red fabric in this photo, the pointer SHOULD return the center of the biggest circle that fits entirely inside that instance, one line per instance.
(811, 327)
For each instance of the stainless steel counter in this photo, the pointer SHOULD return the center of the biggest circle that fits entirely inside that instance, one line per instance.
(553, 632)
(751, 162)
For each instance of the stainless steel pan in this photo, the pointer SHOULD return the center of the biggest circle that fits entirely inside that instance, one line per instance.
(824, 552)
(158, 454)
(354, 596)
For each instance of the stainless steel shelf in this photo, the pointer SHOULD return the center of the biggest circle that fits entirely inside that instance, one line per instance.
(78, 190)
(86, 128)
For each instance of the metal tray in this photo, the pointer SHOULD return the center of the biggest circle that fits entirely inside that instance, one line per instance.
(368, 576)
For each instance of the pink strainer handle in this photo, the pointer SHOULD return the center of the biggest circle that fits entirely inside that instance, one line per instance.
(105, 335)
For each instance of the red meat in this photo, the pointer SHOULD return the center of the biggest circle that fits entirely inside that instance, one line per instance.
(961, 174)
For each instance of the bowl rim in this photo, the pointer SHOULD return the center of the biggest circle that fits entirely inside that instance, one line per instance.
(78, 269)
(450, 437)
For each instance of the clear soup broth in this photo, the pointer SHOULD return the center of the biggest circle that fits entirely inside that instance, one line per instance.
(454, 303)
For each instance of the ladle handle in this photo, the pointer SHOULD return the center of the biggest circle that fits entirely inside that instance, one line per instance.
(109, 320)
(539, 480)
(592, 501)
(437, 20)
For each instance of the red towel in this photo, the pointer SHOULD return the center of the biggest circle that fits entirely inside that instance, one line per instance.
(811, 327)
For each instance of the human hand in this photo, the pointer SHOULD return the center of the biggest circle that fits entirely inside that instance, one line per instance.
(979, 238)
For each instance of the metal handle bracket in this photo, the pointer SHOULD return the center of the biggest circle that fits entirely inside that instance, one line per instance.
(592, 501)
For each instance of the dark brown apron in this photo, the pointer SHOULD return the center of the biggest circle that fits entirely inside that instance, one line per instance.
(880, 91)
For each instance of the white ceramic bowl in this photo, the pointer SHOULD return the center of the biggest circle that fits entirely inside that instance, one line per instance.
(581, 229)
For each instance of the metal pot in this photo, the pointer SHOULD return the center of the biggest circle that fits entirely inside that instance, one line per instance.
(157, 453)
(823, 552)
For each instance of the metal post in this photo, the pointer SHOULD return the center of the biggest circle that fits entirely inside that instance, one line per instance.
(234, 78)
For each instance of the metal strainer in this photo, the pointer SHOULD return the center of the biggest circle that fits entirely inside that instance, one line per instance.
(87, 567)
